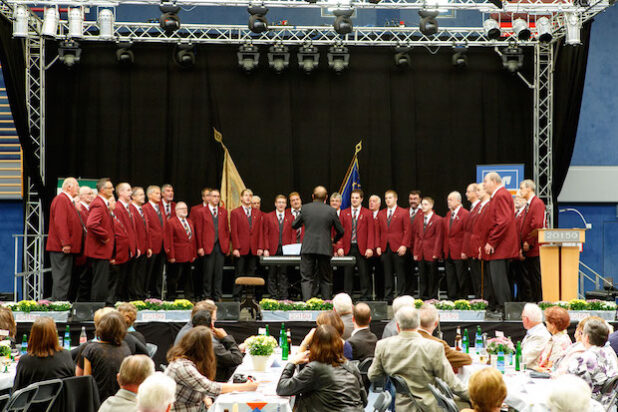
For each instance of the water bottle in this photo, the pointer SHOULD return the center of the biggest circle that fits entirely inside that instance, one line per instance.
(500, 363)
(478, 341)
(24, 345)
(281, 335)
(466, 341)
(83, 338)
(67, 338)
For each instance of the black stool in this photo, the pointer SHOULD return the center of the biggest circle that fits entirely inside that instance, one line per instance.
(249, 302)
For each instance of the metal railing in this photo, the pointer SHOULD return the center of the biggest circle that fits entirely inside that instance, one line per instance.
(587, 273)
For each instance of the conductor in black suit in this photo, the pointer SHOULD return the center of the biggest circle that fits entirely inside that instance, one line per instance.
(317, 247)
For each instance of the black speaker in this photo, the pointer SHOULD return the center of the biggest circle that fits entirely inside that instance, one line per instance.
(228, 310)
(379, 310)
(512, 310)
(84, 311)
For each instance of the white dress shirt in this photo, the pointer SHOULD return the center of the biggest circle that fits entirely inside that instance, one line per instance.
(531, 347)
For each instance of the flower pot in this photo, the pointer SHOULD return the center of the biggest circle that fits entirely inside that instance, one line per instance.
(259, 362)
(461, 315)
(58, 317)
(163, 316)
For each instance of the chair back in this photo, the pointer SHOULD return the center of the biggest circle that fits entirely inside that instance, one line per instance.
(47, 393)
(444, 388)
(152, 349)
(79, 394)
(611, 386)
(20, 400)
(382, 402)
(402, 388)
(4, 399)
(363, 367)
(444, 403)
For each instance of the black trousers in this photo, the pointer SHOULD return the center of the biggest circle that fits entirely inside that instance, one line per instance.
(475, 275)
(411, 275)
(315, 270)
(245, 265)
(498, 271)
(429, 279)
(120, 278)
(363, 274)
(137, 281)
(375, 267)
(154, 272)
(62, 269)
(394, 267)
(457, 278)
(178, 271)
(100, 280)
(533, 275)
(517, 276)
(212, 276)
(84, 272)
(278, 280)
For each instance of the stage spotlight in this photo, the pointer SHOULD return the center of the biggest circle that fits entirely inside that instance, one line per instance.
(492, 29)
(184, 56)
(521, 29)
(338, 58)
(573, 29)
(20, 24)
(278, 57)
(343, 23)
(106, 24)
(512, 58)
(248, 57)
(402, 57)
(460, 59)
(257, 21)
(308, 58)
(428, 25)
(124, 55)
(543, 28)
(76, 23)
(69, 52)
(169, 20)
(50, 22)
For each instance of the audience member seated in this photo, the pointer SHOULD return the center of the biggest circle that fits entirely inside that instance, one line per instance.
(227, 353)
(156, 394)
(129, 312)
(569, 393)
(45, 358)
(103, 357)
(598, 363)
(133, 371)
(7, 322)
(192, 367)
(561, 366)
(487, 391)
(328, 318)
(343, 306)
(363, 341)
(401, 301)
(327, 382)
(536, 337)
(557, 320)
(208, 305)
(430, 319)
(416, 359)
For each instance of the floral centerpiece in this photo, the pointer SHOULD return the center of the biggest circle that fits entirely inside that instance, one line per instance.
(40, 306)
(314, 304)
(493, 345)
(418, 303)
(157, 304)
(580, 304)
(260, 348)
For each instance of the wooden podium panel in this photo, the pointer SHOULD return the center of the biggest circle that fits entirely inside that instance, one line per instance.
(570, 272)
(550, 272)
(559, 255)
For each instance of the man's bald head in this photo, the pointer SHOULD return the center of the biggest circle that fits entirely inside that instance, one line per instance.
(320, 193)
(362, 315)
(70, 186)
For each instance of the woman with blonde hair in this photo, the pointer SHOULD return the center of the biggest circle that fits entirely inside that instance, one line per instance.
(487, 391)
(329, 317)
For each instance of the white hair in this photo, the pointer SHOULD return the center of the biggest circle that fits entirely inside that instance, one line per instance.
(156, 393)
(528, 183)
(428, 314)
(407, 318)
(401, 301)
(342, 303)
(457, 196)
(494, 177)
(533, 312)
(569, 393)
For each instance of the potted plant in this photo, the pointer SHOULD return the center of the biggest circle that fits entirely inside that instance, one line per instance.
(260, 348)
(287, 310)
(493, 345)
(30, 310)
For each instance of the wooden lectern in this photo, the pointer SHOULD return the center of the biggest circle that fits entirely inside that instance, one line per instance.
(559, 253)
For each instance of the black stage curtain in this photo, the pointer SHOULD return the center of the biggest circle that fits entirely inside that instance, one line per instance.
(152, 122)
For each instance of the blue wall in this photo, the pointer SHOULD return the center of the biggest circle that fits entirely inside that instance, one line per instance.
(11, 222)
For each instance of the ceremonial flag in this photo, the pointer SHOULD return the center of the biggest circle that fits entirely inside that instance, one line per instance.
(351, 180)
(231, 182)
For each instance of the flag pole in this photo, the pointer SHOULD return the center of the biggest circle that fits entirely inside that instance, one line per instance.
(358, 148)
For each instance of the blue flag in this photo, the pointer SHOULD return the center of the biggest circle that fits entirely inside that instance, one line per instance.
(351, 180)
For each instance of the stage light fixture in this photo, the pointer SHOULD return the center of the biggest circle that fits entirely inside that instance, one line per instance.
(257, 20)
(20, 22)
(69, 52)
(343, 23)
(573, 29)
(512, 58)
(403, 60)
(460, 59)
(428, 25)
(338, 58)
(543, 28)
(76, 23)
(308, 58)
(492, 29)
(248, 57)
(278, 57)
(184, 55)
(169, 20)
(124, 54)
(105, 22)
(521, 29)
(50, 22)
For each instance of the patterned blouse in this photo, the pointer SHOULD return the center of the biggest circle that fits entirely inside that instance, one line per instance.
(555, 349)
(191, 386)
(595, 366)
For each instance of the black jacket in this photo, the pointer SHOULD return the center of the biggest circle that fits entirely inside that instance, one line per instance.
(324, 388)
(319, 219)
(363, 344)
(228, 357)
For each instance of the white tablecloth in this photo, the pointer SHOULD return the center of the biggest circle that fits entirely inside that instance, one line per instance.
(7, 378)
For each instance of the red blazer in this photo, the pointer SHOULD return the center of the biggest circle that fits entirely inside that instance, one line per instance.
(480, 222)
(376, 230)
(100, 226)
(172, 209)
(177, 244)
(205, 231)
(302, 229)
(532, 219)
(244, 238)
(122, 246)
(396, 234)
(500, 230)
(195, 209)
(129, 224)
(270, 232)
(428, 242)
(519, 219)
(365, 226)
(419, 213)
(156, 227)
(142, 231)
(468, 228)
(65, 228)
(454, 233)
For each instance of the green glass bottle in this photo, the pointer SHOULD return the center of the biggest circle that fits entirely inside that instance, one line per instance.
(24, 345)
(466, 341)
(285, 350)
(518, 356)
(267, 333)
(500, 363)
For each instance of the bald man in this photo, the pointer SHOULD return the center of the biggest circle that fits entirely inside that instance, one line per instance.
(65, 239)
(317, 247)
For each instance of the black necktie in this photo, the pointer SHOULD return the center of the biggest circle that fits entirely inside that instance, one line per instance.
(248, 213)
(425, 222)
(159, 214)
(389, 217)
(354, 225)
(299, 230)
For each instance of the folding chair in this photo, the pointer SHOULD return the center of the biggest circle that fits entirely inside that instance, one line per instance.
(446, 404)
(611, 386)
(444, 388)
(47, 393)
(382, 402)
(20, 400)
(402, 388)
(152, 349)
(4, 399)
